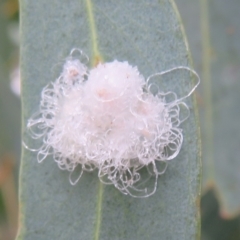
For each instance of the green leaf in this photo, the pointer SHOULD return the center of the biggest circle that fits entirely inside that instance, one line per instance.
(218, 62)
(148, 35)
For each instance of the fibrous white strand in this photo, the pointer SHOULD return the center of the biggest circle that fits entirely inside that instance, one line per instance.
(108, 119)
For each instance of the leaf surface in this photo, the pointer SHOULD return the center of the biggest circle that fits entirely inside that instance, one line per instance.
(148, 35)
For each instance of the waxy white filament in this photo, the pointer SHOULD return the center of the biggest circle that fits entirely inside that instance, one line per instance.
(108, 119)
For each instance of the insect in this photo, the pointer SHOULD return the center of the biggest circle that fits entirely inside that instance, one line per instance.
(107, 119)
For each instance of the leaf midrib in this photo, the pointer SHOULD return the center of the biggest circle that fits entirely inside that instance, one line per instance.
(96, 57)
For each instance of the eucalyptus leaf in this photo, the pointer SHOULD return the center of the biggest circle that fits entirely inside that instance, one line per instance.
(216, 54)
(148, 35)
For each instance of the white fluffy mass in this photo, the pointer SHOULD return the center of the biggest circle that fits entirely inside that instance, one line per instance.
(107, 119)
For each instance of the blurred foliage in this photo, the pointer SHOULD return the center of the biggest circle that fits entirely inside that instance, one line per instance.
(9, 9)
(213, 32)
(9, 120)
(214, 227)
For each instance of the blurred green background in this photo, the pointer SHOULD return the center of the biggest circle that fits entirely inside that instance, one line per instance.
(213, 31)
(10, 115)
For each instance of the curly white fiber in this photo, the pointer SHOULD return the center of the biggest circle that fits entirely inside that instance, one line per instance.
(108, 119)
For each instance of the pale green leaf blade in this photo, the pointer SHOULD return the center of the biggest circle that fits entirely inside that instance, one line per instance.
(149, 35)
